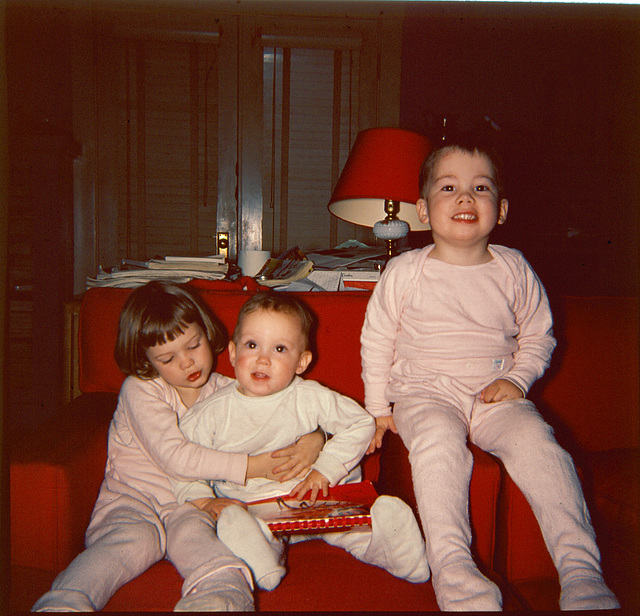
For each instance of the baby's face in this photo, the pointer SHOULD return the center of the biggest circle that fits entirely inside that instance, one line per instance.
(269, 351)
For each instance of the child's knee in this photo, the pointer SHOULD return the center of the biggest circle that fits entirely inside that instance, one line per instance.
(443, 446)
(142, 538)
(137, 541)
(184, 519)
(233, 514)
(535, 434)
(516, 429)
(237, 518)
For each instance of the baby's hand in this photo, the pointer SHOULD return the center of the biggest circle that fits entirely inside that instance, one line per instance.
(382, 425)
(298, 458)
(500, 391)
(214, 506)
(315, 482)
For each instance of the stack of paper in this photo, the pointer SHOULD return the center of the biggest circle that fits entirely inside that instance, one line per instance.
(133, 274)
(354, 279)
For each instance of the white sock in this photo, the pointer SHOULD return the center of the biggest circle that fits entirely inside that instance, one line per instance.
(396, 541)
(587, 592)
(224, 591)
(460, 587)
(251, 540)
(393, 543)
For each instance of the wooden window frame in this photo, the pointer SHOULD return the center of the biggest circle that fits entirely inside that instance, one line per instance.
(240, 39)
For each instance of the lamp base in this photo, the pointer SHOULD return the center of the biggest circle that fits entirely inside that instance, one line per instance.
(391, 229)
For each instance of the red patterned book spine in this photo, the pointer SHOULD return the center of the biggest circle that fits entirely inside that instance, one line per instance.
(347, 506)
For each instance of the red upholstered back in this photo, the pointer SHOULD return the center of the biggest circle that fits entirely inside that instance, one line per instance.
(590, 390)
(337, 359)
(592, 385)
(336, 364)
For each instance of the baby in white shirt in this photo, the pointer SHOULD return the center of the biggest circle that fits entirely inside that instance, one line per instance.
(270, 404)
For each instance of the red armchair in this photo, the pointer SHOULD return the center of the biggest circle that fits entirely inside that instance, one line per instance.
(56, 473)
(589, 395)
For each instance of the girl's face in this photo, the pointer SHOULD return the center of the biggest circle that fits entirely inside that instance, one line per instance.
(184, 362)
(462, 204)
(268, 353)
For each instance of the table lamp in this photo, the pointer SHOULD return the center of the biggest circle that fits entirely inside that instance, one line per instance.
(381, 175)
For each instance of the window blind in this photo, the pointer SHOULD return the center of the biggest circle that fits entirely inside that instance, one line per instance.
(310, 107)
(167, 147)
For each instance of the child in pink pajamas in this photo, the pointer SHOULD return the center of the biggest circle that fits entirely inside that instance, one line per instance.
(166, 344)
(454, 336)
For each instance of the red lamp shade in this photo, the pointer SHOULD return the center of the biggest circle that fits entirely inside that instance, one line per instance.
(384, 163)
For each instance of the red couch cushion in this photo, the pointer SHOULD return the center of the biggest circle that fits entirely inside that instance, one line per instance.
(336, 575)
(320, 577)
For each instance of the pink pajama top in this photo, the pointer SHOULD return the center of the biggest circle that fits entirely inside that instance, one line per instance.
(428, 316)
(146, 446)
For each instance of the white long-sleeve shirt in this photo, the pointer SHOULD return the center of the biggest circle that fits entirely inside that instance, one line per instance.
(428, 316)
(232, 422)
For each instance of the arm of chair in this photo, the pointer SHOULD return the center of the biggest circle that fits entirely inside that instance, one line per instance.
(55, 475)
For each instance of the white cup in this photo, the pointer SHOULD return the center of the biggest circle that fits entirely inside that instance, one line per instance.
(251, 261)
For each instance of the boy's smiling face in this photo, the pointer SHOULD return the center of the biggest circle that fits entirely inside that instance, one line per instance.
(462, 206)
(268, 352)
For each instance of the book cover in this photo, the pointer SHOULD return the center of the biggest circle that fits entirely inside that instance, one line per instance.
(207, 259)
(346, 507)
(358, 284)
(200, 265)
(354, 279)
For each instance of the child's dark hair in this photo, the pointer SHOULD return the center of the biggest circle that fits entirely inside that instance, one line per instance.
(156, 313)
(277, 302)
(466, 143)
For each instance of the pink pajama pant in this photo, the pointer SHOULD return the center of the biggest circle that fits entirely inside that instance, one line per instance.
(436, 416)
(125, 540)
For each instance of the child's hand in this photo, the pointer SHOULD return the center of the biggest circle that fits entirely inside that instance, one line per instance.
(500, 391)
(382, 425)
(262, 465)
(315, 482)
(214, 506)
(296, 460)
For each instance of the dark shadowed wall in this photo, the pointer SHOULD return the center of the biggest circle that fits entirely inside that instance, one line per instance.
(563, 84)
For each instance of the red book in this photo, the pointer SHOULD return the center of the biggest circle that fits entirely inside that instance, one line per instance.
(347, 506)
(359, 284)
